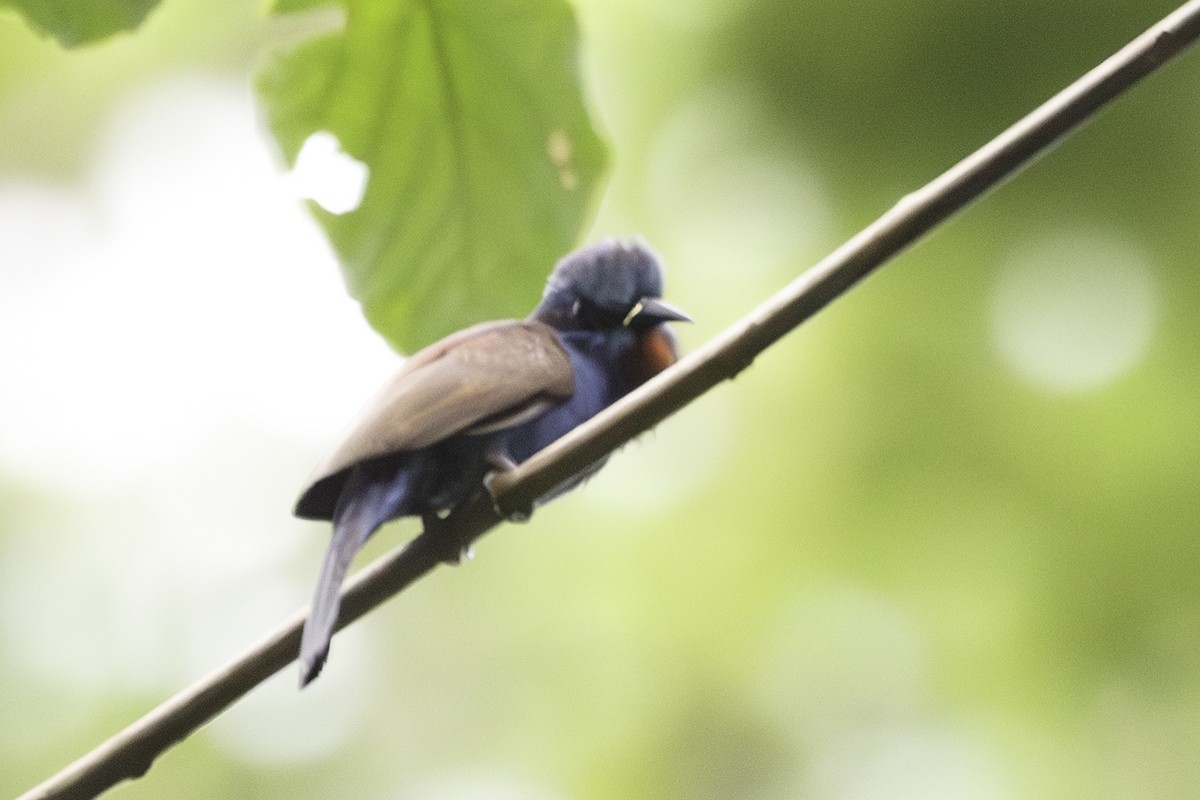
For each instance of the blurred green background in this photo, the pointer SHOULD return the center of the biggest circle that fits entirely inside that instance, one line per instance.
(939, 543)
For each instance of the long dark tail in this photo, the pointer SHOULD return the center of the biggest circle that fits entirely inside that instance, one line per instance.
(367, 501)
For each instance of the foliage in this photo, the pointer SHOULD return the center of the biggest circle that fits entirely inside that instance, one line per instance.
(81, 22)
(482, 159)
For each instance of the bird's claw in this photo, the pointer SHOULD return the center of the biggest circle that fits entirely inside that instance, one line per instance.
(501, 463)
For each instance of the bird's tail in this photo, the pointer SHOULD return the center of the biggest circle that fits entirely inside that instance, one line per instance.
(366, 502)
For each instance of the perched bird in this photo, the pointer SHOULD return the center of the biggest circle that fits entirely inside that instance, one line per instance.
(485, 398)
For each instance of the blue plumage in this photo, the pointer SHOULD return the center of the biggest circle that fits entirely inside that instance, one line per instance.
(487, 396)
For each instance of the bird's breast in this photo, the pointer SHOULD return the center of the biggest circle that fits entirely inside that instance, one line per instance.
(654, 351)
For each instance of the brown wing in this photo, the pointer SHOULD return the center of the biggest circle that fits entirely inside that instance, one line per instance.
(481, 379)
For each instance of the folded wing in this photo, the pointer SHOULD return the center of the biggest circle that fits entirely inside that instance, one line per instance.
(479, 380)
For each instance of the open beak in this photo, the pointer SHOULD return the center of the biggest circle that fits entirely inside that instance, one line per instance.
(655, 310)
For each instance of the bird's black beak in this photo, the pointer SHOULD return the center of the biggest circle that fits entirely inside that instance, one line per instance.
(655, 310)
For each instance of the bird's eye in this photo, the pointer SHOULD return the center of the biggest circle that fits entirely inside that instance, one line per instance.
(593, 317)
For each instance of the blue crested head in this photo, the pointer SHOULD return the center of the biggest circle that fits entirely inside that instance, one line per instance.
(605, 286)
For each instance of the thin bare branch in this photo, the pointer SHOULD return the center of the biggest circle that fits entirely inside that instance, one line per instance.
(130, 753)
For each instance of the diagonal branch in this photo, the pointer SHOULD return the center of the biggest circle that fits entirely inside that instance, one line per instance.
(130, 753)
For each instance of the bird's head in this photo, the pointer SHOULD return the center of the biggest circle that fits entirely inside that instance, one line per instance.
(609, 285)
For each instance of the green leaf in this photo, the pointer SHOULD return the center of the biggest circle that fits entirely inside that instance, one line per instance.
(482, 159)
(79, 22)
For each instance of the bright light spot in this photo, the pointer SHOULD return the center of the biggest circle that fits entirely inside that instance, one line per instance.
(562, 156)
(181, 292)
(893, 762)
(1075, 311)
(327, 175)
(177, 349)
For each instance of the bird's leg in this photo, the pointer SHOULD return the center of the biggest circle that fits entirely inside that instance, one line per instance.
(450, 546)
(452, 531)
(500, 462)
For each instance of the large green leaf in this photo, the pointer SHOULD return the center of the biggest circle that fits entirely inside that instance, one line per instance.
(482, 158)
(82, 21)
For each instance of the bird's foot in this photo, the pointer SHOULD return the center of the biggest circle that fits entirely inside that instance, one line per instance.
(501, 463)
(450, 547)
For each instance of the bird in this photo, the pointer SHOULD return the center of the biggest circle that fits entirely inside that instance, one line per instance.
(487, 398)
